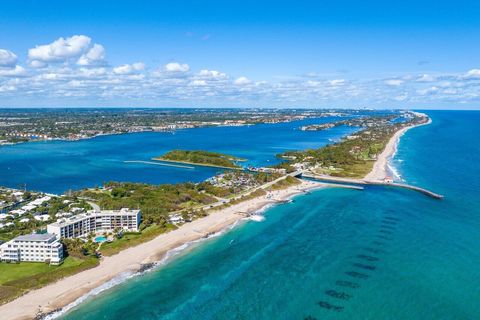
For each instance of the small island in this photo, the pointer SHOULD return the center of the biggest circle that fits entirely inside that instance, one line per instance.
(201, 158)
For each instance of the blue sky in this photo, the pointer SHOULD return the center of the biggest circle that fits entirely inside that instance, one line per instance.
(409, 54)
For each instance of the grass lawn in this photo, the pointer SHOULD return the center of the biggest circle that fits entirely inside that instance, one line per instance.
(14, 271)
(133, 239)
(17, 279)
(358, 170)
(285, 183)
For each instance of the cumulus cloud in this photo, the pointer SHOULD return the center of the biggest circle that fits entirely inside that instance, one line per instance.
(426, 78)
(394, 82)
(8, 59)
(336, 82)
(427, 91)
(177, 67)
(92, 72)
(37, 64)
(242, 81)
(61, 49)
(127, 69)
(198, 83)
(76, 67)
(94, 56)
(211, 74)
(473, 74)
(17, 71)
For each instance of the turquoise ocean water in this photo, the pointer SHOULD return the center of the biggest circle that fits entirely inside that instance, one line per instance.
(381, 253)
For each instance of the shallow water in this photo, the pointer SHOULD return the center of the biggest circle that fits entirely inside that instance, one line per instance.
(381, 253)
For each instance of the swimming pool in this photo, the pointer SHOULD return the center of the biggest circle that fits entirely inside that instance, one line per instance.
(100, 239)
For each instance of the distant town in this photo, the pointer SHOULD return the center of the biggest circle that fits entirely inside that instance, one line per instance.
(73, 124)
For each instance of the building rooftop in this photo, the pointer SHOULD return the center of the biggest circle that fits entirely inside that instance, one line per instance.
(92, 213)
(35, 237)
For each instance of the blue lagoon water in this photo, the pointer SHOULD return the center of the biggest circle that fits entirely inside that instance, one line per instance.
(57, 166)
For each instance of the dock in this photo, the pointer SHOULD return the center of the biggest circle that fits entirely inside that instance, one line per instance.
(341, 181)
(160, 164)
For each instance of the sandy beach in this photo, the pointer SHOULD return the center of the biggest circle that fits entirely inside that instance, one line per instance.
(66, 291)
(379, 170)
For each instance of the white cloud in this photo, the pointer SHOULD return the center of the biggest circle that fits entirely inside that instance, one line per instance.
(198, 83)
(18, 71)
(75, 67)
(129, 68)
(336, 82)
(427, 91)
(7, 88)
(242, 81)
(473, 74)
(211, 74)
(177, 67)
(394, 82)
(37, 64)
(426, 78)
(312, 83)
(94, 56)
(8, 59)
(401, 97)
(61, 49)
(92, 72)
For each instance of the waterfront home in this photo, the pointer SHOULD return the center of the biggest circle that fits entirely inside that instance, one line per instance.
(33, 248)
(97, 222)
(42, 217)
(18, 212)
(28, 207)
(4, 216)
(176, 219)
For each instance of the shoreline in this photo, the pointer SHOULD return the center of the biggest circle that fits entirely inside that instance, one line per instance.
(379, 170)
(159, 159)
(60, 294)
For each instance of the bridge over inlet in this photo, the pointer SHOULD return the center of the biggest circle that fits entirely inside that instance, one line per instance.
(367, 182)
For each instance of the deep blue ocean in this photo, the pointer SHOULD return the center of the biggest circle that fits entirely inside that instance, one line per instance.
(381, 253)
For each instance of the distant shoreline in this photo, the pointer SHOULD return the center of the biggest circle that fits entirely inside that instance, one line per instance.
(379, 170)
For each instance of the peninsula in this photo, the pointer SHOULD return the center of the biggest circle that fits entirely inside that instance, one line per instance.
(357, 154)
(201, 158)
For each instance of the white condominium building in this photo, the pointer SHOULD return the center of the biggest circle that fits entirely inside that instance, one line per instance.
(96, 221)
(33, 248)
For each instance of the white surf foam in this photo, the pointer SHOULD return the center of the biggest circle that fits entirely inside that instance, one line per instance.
(121, 278)
(110, 284)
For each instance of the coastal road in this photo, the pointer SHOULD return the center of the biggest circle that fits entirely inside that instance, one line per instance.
(246, 193)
